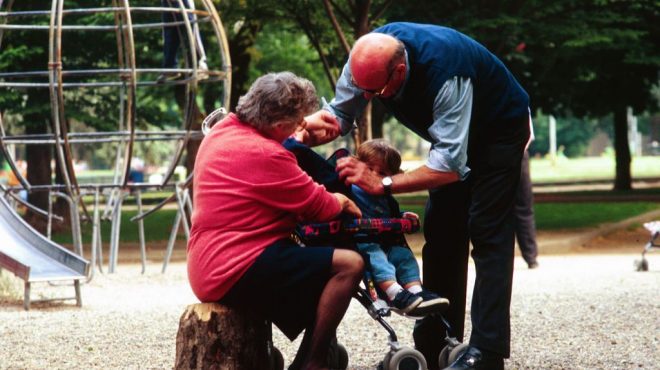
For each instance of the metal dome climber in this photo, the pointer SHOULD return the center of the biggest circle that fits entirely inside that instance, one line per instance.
(126, 82)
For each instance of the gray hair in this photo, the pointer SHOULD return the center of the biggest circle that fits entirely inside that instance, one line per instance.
(277, 97)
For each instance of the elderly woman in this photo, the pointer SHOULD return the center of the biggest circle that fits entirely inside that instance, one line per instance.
(249, 193)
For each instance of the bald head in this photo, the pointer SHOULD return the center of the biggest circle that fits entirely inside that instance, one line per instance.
(373, 57)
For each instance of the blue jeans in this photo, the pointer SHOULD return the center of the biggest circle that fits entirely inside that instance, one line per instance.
(399, 264)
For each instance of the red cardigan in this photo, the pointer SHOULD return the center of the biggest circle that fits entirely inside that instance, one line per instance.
(248, 193)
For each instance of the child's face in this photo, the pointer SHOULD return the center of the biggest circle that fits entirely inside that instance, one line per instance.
(379, 168)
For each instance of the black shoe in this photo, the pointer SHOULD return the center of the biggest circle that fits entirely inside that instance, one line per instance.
(533, 265)
(431, 303)
(473, 359)
(404, 302)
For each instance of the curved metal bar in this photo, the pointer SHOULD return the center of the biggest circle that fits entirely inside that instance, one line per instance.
(224, 50)
(160, 205)
(115, 9)
(33, 208)
(55, 80)
(95, 28)
(96, 72)
(67, 85)
(191, 92)
(129, 48)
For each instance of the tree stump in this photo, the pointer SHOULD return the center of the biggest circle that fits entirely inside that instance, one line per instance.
(212, 336)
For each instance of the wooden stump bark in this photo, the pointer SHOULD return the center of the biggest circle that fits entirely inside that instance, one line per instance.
(212, 336)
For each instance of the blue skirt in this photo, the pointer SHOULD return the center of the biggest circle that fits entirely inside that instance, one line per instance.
(284, 285)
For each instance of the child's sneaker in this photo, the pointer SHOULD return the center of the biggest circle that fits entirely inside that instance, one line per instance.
(404, 302)
(431, 303)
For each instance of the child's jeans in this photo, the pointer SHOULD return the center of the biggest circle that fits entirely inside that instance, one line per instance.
(399, 264)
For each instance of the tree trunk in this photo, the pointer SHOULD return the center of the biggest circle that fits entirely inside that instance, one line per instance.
(239, 47)
(38, 157)
(212, 336)
(623, 179)
(377, 117)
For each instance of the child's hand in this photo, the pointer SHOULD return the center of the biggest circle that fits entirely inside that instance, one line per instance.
(411, 215)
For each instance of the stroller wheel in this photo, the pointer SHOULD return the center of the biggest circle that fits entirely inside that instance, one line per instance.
(443, 358)
(276, 359)
(405, 359)
(642, 265)
(456, 352)
(337, 356)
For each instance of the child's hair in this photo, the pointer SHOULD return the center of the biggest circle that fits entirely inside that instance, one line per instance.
(380, 151)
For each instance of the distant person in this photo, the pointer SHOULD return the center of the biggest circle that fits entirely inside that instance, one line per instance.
(523, 211)
(136, 172)
(13, 181)
(392, 266)
(172, 38)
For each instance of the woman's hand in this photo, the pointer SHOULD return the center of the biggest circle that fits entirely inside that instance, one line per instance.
(348, 205)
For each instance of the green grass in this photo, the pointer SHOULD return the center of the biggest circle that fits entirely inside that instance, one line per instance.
(589, 168)
(556, 216)
(551, 216)
(157, 227)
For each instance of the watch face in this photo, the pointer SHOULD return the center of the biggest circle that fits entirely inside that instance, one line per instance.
(387, 181)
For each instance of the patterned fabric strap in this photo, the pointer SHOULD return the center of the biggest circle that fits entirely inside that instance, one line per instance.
(367, 226)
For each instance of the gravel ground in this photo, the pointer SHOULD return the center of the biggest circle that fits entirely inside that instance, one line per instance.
(585, 311)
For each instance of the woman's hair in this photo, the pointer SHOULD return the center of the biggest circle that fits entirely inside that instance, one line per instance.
(277, 97)
(381, 152)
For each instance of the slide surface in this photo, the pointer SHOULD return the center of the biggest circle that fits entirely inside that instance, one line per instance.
(30, 255)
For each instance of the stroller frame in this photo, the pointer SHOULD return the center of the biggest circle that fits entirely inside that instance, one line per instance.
(335, 233)
(654, 228)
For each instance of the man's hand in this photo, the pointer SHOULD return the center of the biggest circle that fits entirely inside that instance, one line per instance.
(353, 171)
(322, 127)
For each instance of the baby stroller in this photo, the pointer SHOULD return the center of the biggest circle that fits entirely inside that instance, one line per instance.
(347, 232)
(654, 228)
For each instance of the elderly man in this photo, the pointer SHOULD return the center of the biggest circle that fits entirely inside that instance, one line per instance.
(452, 92)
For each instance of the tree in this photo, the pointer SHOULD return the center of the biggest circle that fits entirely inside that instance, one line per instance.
(573, 57)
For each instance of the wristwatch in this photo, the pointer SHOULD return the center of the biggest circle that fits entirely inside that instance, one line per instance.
(387, 185)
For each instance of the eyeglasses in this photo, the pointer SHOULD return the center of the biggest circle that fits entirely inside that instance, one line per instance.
(375, 92)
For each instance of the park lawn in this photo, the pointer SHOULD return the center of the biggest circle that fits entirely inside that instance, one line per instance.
(552, 216)
(589, 168)
(157, 227)
(549, 216)
(557, 216)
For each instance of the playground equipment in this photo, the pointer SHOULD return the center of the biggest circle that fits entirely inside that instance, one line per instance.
(33, 258)
(125, 82)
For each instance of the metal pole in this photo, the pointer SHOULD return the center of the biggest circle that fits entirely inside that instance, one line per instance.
(143, 252)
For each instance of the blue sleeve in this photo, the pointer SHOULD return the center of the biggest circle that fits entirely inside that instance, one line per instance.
(349, 102)
(452, 111)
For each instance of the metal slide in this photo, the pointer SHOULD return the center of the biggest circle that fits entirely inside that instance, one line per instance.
(34, 258)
